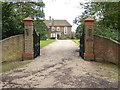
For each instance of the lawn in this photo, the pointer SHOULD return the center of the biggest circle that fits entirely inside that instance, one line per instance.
(7, 66)
(77, 41)
(44, 43)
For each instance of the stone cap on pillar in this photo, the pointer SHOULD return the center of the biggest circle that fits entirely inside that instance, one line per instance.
(89, 20)
(28, 21)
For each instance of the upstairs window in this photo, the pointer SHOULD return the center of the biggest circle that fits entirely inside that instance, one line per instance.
(52, 28)
(58, 28)
(65, 30)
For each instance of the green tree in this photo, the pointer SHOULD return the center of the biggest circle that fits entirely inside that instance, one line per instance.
(10, 21)
(30, 9)
(79, 30)
(105, 15)
(13, 14)
(41, 27)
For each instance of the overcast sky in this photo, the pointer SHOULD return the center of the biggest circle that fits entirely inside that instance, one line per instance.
(63, 9)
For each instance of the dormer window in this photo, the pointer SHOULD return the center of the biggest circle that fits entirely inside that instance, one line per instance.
(58, 28)
(52, 28)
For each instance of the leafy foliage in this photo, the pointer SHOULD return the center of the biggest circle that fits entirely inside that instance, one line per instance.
(105, 15)
(10, 21)
(79, 30)
(13, 14)
(65, 36)
(42, 29)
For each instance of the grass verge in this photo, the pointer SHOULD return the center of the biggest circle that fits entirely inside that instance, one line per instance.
(112, 74)
(77, 41)
(44, 43)
(109, 65)
(7, 66)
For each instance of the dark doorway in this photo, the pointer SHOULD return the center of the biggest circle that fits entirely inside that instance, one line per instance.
(58, 36)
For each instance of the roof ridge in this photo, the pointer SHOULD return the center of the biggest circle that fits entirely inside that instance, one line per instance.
(58, 23)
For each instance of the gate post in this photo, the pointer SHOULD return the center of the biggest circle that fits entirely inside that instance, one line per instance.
(28, 39)
(89, 39)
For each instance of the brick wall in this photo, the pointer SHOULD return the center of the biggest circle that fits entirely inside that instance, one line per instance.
(69, 30)
(106, 49)
(12, 48)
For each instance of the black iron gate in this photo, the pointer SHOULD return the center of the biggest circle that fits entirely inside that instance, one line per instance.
(36, 43)
(82, 47)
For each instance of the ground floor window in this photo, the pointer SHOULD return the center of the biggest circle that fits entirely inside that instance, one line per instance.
(52, 34)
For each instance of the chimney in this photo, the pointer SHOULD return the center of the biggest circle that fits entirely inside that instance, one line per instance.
(49, 17)
(52, 22)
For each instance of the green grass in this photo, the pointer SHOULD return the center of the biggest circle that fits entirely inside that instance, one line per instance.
(77, 41)
(44, 43)
(110, 65)
(7, 66)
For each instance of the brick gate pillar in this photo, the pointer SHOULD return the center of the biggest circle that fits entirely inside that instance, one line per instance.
(89, 39)
(28, 39)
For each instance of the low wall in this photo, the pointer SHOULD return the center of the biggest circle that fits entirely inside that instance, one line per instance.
(106, 49)
(12, 48)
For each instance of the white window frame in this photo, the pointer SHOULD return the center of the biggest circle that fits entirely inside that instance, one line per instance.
(52, 34)
(58, 28)
(65, 30)
(53, 28)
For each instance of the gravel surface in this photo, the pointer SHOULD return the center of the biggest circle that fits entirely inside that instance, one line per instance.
(60, 66)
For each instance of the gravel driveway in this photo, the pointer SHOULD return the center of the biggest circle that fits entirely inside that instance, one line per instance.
(60, 66)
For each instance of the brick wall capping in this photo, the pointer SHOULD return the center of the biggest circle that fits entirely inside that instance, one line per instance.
(108, 39)
(89, 20)
(28, 19)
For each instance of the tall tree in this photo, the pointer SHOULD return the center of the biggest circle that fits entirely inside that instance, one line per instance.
(105, 15)
(10, 21)
(13, 14)
(79, 30)
(41, 28)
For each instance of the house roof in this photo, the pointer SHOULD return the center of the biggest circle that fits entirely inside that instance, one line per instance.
(57, 23)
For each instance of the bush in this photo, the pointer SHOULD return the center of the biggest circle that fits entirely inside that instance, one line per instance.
(73, 37)
(65, 37)
(52, 38)
(43, 37)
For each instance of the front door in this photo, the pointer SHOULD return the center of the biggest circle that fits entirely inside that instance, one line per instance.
(58, 36)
